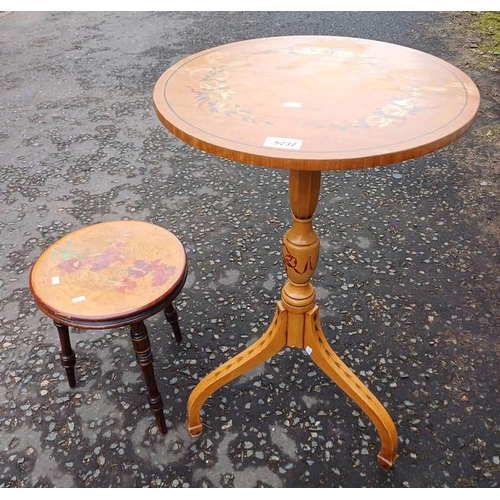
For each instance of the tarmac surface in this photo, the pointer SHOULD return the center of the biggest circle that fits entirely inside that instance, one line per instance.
(408, 281)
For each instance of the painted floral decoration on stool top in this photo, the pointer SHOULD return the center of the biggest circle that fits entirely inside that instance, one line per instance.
(122, 277)
(109, 268)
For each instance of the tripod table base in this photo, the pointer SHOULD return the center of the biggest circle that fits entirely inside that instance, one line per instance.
(313, 339)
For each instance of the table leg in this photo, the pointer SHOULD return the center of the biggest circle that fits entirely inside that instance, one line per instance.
(173, 319)
(142, 348)
(67, 355)
(296, 324)
(323, 356)
(301, 252)
(267, 346)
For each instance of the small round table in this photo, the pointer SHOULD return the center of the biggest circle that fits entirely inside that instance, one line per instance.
(108, 275)
(310, 104)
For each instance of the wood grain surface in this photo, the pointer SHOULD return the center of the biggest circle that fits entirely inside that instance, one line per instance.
(108, 270)
(315, 102)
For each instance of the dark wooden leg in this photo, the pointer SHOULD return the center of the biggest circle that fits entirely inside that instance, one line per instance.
(173, 319)
(142, 348)
(67, 355)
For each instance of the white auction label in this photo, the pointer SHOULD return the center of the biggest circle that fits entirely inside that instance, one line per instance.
(81, 298)
(55, 280)
(282, 142)
(290, 104)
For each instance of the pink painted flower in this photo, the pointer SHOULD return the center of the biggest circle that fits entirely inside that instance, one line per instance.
(71, 265)
(162, 273)
(106, 259)
(126, 285)
(139, 269)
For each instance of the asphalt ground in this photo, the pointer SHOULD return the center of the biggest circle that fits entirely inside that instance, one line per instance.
(407, 283)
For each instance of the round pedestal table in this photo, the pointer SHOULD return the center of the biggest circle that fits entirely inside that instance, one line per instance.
(311, 104)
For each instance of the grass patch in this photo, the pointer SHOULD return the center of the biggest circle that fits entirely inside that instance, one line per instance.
(488, 24)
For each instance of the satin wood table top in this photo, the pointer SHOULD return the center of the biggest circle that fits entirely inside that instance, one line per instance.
(310, 104)
(315, 103)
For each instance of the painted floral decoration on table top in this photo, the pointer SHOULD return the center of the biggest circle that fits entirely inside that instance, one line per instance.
(214, 91)
(220, 98)
(393, 112)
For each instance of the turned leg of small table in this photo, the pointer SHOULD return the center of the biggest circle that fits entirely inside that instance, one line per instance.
(142, 348)
(67, 354)
(173, 319)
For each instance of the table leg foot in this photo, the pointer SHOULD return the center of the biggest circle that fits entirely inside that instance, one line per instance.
(326, 359)
(195, 429)
(386, 463)
(273, 340)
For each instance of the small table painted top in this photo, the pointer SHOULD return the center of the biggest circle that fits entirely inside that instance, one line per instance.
(108, 271)
(315, 102)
